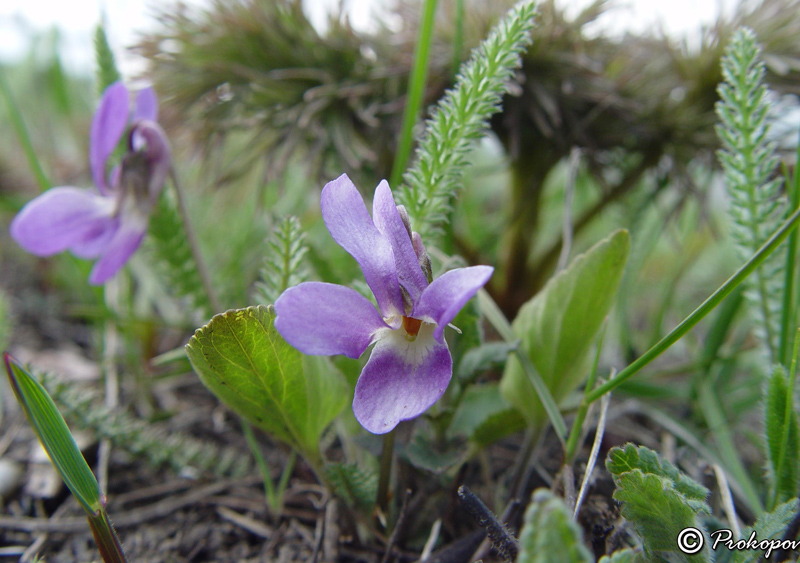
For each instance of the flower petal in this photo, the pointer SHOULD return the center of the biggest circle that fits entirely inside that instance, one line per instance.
(119, 249)
(146, 106)
(326, 319)
(350, 225)
(447, 294)
(95, 243)
(148, 137)
(401, 380)
(388, 221)
(61, 218)
(108, 125)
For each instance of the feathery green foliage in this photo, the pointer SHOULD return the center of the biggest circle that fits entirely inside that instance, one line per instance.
(750, 164)
(356, 485)
(170, 250)
(183, 454)
(283, 264)
(107, 72)
(461, 118)
(783, 438)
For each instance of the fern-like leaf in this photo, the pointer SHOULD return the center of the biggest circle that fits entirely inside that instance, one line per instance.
(461, 118)
(107, 72)
(750, 164)
(284, 266)
(170, 251)
(357, 486)
(183, 454)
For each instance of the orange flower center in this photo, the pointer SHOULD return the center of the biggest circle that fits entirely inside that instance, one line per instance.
(412, 326)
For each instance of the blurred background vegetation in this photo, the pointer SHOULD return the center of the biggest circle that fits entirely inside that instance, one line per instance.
(263, 109)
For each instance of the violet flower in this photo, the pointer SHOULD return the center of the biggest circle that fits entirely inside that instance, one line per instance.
(110, 224)
(410, 366)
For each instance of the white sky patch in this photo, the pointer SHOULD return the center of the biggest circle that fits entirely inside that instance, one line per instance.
(125, 20)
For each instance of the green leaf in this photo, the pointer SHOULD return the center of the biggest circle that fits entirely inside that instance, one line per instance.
(484, 416)
(243, 360)
(558, 326)
(783, 438)
(423, 453)
(621, 461)
(625, 555)
(483, 358)
(770, 525)
(549, 535)
(107, 72)
(55, 436)
(658, 500)
(357, 486)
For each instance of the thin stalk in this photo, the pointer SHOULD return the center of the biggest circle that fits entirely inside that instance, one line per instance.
(105, 536)
(263, 468)
(788, 308)
(194, 245)
(416, 92)
(787, 414)
(385, 475)
(22, 134)
(575, 432)
(704, 309)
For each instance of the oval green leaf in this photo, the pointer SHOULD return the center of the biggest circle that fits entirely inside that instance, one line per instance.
(243, 360)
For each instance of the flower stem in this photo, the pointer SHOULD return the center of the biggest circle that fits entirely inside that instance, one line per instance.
(704, 309)
(194, 245)
(386, 471)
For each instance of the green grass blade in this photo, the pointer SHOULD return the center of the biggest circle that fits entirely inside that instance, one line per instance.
(416, 91)
(789, 296)
(55, 436)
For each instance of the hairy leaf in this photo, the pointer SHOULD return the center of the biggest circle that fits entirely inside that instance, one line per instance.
(484, 416)
(549, 535)
(356, 485)
(107, 72)
(782, 431)
(558, 326)
(283, 263)
(770, 525)
(243, 360)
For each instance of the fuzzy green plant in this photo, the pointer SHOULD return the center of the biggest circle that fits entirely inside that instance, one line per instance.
(749, 162)
(284, 266)
(461, 118)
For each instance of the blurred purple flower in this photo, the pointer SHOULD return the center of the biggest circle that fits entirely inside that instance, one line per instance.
(410, 366)
(111, 224)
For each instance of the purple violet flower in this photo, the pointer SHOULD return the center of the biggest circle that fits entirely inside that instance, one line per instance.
(410, 366)
(111, 224)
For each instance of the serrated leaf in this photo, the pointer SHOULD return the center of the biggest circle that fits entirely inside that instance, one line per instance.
(243, 360)
(658, 513)
(549, 535)
(558, 326)
(625, 555)
(769, 525)
(55, 437)
(783, 438)
(484, 417)
(620, 461)
(357, 486)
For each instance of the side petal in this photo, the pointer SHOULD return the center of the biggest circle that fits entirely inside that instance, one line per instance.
(447, 294)
(401, 380)
(61, 218)
(119, 249)
(95, 243)
(149, 138)
(108, 125)
(390, 224)
(350, 225)
(326, 319)
(146, 106)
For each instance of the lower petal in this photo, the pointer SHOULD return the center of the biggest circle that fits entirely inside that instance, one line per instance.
(119, 249)
(401, 380)
(326, 319)
(62, 218)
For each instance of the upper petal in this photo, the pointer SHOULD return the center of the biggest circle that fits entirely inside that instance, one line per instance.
(389, 223)
(326, 319)
(61, 218)
(146, 106)
(350, 225)
(401, 380)
(108, 125)
(119, 249)
(447, 294)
